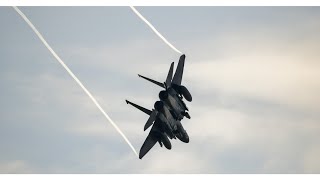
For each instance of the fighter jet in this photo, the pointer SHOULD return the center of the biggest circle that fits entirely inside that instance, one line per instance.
(174, 91)
(164, 126)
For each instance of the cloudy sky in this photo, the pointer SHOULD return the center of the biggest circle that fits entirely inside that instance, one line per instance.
(254, 73)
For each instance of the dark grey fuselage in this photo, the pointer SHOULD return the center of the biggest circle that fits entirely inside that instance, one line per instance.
(175, 103)
(173, 126)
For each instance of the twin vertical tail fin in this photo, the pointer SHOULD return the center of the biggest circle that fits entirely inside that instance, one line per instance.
(169, 76)
(168, 80)
(177, 78)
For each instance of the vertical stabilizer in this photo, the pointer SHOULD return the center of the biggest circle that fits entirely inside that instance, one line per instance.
(177, 78)
(169, 76)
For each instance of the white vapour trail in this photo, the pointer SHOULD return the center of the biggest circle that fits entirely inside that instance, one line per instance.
(154, 29)
(74, 77)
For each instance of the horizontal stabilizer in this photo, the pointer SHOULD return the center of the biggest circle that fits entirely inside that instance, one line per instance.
(147, 111)
(153, 81)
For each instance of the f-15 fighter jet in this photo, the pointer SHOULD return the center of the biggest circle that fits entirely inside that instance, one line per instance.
(168, 112)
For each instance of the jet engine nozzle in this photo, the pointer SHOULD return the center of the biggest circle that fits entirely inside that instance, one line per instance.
(163, 95)
(158, 105)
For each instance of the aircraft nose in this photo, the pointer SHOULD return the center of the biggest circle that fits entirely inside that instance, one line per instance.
(187, 140)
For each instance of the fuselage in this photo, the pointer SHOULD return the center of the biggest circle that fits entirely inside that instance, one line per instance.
(175, 103)
(172, 127)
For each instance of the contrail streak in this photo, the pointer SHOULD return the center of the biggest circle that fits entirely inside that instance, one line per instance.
(73, 76)
(154, 29)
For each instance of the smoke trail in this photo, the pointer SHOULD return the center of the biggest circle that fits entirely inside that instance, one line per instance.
(73, 76)
(154, 29)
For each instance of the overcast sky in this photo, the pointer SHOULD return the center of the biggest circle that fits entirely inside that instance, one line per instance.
(254, 74)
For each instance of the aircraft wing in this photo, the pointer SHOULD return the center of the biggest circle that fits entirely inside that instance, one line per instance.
(150, 141)
(177, 78)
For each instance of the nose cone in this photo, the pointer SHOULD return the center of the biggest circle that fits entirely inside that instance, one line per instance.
(186, 139)
(158, 105)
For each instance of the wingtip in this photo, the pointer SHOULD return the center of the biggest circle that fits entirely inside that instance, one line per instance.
(139, 75)
(127, 101)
